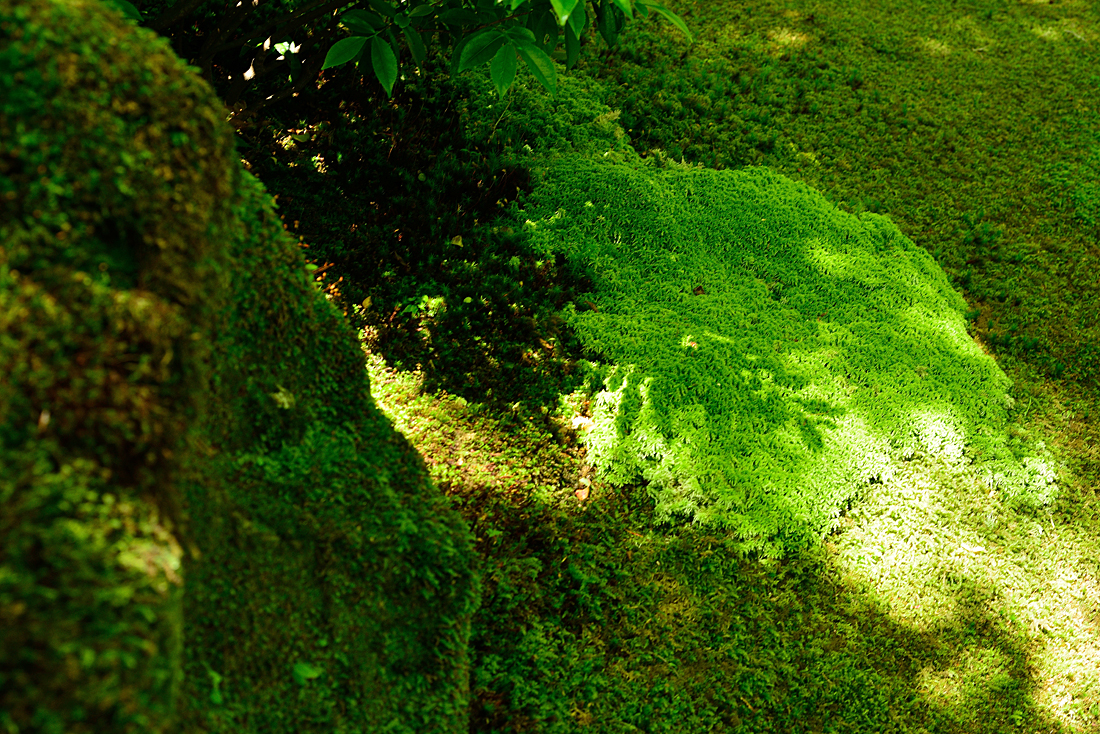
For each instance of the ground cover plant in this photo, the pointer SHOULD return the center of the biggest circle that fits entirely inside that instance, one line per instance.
(971, 125)
(937, 606)
(921, 616)
(766, 355)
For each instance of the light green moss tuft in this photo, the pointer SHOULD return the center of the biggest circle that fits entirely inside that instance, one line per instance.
(760, 355)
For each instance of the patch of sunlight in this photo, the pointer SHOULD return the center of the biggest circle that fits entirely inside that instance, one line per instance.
(784, 39)
(1066, 27)
(1075, 28)
(934, 46)
(973, 32)
(941, 549)
(1047, 32)
(938, 434)
(394, 392)
(944, 326)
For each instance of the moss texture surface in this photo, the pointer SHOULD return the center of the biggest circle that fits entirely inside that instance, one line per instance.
(207, 524)
(762, 355)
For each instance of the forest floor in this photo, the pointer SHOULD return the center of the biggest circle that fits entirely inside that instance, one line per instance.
(935, 608)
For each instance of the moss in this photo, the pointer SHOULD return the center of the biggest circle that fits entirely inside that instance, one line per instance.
(173, 379)
(107, 271)
(761, 355)
(577, 121)
(325, 548)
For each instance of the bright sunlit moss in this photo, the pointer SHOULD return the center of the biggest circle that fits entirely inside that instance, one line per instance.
(760, 356)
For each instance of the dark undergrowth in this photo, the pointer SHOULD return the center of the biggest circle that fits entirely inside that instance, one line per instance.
(403, 218)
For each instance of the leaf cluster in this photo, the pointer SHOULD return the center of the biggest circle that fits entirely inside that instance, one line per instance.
(499, 34)
(258, 55)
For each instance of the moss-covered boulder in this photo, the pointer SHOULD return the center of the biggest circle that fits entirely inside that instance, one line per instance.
(206, 523)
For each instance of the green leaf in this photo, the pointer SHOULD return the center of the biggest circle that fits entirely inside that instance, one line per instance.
(624, 5)
(608, 21)
(416, 45)
(383, 8)
(562, 9)
(670, 16)
(487, 17)
(401, 21)
(578, 19)
(480, 48)
(344, 51)
(503, 67)
(541, 65)
(572, 47)
(361, 22)
(458, 16)
(516, 4)
(421, 10)
(545, 29)
(384, 61)
(517, 34)
(304, 672)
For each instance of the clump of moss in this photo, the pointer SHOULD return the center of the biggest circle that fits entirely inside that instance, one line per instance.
(174, 380)
(759, 354)
(114, 197)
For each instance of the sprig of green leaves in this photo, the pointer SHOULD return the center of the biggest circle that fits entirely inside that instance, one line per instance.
(500, 35)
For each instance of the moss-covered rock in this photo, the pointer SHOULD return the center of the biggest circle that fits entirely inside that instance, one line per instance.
(173, 380)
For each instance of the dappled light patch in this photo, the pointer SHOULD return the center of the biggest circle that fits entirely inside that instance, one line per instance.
(934, 46)
(784, 39)
(942, 549)
(1065, 29)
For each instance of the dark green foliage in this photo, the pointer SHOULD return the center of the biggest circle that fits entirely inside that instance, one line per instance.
(402, 207)
(280, 47)
(1077, 187)
(173, 378)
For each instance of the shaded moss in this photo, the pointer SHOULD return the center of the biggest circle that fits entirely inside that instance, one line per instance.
(166, 357)
(114, 183)
(326, 550)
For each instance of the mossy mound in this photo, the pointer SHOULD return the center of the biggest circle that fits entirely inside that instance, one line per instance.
(762, 354)
(207, 523)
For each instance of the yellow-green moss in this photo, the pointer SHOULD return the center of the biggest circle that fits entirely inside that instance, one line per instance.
(165, 355)
(766, 355)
